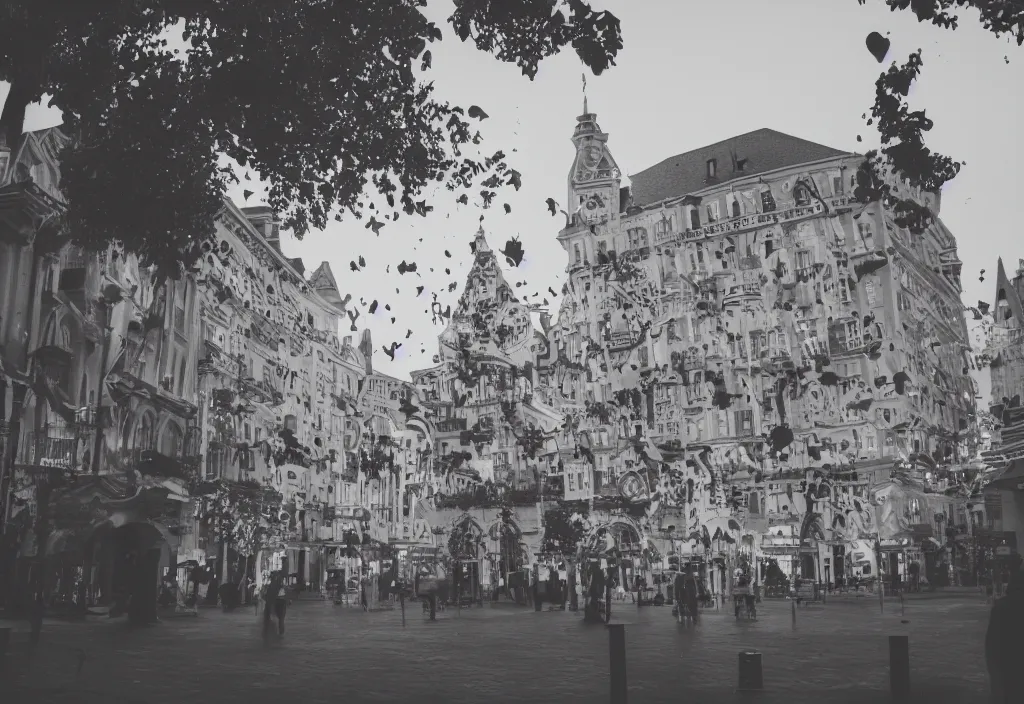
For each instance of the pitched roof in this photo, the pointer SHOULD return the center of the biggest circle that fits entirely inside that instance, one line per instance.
(1008, 290)
(322, 281)
(763, 150)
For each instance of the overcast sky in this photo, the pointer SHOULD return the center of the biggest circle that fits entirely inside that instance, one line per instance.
(691, 73)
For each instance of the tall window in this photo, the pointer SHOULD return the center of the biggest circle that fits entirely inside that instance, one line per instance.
(172, 441)
(180, 381)
(144, 432)
(736, 207)
(767, 201)
(694, 219)
(712, 168)
(713, 213)
(179, 306)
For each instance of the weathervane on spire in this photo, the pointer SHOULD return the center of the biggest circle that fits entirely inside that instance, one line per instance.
(585, 111)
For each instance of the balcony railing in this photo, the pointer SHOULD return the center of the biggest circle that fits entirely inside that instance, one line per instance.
(183, 463)
(72, 257)
(451, 425)
(480, 497)
(51, 447)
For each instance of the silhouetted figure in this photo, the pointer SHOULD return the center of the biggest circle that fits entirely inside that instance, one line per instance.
(276, 602)
(1004, 642)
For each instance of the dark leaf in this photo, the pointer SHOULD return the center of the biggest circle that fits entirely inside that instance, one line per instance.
(878, 46)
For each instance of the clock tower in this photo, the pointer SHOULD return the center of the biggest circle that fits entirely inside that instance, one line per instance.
(594, 179)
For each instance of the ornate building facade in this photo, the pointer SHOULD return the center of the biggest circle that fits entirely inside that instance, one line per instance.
(99, 417)
(763, 357)
(1004, 357)
(202, 419)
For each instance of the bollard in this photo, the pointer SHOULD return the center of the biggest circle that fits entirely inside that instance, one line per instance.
(899, 667)
(750, 679)
(793, 603)
(617, 662)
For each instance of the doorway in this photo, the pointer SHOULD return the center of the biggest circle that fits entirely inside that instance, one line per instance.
(839, 564)
(807, 567)
(893, 569)
(466, 580)
(300, 572)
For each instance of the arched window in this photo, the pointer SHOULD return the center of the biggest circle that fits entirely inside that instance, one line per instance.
(735, 208)
(290, 423)
(172, 441)
(144, 432)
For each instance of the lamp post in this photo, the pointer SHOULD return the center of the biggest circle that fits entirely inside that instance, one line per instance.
(110, 296)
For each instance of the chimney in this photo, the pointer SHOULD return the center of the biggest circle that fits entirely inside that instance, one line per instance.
(266, 223)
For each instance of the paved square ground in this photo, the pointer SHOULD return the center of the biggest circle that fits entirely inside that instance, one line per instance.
(837, 653)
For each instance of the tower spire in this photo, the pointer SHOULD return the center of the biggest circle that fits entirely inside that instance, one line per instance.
(584, 77)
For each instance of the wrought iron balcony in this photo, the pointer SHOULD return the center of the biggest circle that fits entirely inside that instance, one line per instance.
(24, 207)
(51, 447)
(451, 425)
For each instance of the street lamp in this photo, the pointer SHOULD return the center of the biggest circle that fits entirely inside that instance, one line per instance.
(108, 298)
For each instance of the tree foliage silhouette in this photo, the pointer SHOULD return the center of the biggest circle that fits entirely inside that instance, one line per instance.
(903, 153)
(328, 102)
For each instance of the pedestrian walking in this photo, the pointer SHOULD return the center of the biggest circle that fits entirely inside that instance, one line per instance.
(276, 602)
(1004, 641)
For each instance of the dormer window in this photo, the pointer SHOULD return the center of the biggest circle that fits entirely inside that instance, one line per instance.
(802, 194)
(712, 168)
(694, 219)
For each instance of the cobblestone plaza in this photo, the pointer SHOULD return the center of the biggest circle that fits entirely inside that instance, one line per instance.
(838, 652)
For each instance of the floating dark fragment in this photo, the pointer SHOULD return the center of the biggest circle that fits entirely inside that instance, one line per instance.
(878, 46)
(513, 252)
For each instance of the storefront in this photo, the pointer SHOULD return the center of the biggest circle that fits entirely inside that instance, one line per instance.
(894, 564)
(779, 563)
(996, 553)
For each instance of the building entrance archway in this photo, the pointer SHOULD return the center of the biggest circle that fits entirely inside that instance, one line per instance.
(132, 559)
(465, 548)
